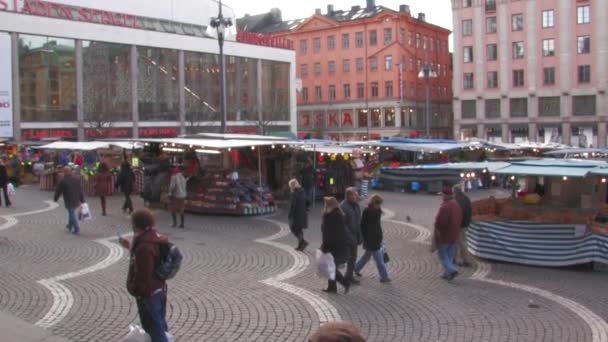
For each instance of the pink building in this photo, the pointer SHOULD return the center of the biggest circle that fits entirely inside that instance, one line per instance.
(531, 70)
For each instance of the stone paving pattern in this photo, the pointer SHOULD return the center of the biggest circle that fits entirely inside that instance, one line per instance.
(218, 295)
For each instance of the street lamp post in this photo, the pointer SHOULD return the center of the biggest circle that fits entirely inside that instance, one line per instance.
(427, 73)
(221, 24)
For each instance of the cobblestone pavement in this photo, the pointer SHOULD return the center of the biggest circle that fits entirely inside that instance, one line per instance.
(241, 281)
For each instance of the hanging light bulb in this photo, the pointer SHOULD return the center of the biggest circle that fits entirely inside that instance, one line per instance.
(512, 177)
(229, 149)
(462, 175)
(283, 146)
(273, 146)
(473, 174)
(565, 178)
(493, 177)
(253, 147)
(603, 180)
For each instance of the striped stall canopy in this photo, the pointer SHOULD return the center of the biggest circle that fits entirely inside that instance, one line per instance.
(537, 244)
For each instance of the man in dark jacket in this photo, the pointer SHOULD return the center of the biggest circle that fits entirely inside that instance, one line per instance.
(447, 231)
(298, 215)
(463, 258)
(352, 216)
(69, 187)
(308, 182)
(149, 291)
(4, 184)
(125, 181)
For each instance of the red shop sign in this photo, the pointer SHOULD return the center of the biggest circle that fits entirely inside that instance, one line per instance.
(107, 132)
(38, 134)
(158, 132)
(242, 130)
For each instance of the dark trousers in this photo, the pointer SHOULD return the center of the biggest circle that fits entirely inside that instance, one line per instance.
(332, 284)
(352, 260)
(103, 204)
(152, 311)
(298, 233)
(128, 204)
(7, 201)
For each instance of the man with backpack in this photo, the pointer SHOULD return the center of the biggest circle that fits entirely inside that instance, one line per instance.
(153, 261)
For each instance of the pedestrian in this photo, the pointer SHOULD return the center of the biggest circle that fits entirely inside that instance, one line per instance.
(298, 214)
(149, 291)
(371, 230)
(4, 183)
(447, 230)
(69, 187)
(15, 165)
(352, 213)
(177, 194)
(103, 185)
(125, 181)
(463, 257)
(336, 241)
(308, 182)
(337, 332)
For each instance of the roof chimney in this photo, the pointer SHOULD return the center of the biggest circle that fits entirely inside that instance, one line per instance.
(404, 9)
(330, 10)
(421, 16)
(371, 4)
(355, 8)
(317, 11)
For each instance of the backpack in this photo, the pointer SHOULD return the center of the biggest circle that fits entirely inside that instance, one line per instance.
(170, 261)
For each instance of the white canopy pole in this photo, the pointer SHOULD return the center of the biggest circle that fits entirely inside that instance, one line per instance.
(314, 174)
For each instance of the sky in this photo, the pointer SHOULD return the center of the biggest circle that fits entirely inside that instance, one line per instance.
(438, 12)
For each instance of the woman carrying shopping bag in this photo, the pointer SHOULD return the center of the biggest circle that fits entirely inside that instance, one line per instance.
(371, 229)
(103, 185)
(335, 241)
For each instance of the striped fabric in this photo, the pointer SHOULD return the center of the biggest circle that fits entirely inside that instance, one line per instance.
(537, 244)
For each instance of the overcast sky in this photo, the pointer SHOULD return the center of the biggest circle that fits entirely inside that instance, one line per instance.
(438, 12)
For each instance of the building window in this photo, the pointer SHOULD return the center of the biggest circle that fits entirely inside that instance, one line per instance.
(362, 118)
(304, 70)
(389, 117)
(548, 47)
(549, 76)
(374, 86)
(373, 38)
(318, 93)
(583, 105)
(388, 62)
(317, 69)
(359, 39)
(491, 25)
(359, 64)
(346, 65)
(467, 54)
(418, 64)
(492, 108)
(467, 28)
(548, 106)
(417, 40)
(469, 109)
(469, 80)
(582, 15)
(331, 67)
(360, 90)
(411, 64)
(331, 43)
(410, 39)
(157, 90)
(548, 19)
(431, 44)
(584, 73)
(304, 94)
(425, 42)
(376, 117)
(345, 41)
(412, 89)
(583, 44)
(303, 46)
(518, 78)
(490, 5)
(491, 52)
(388, 36)
(373, 63)
(492, 79)
(518, 50)
(347, 91)
(317, 46)
(388, 89)
(519, 107)
(517, 22)
(331, 92)
(467, 3)
(402, 36)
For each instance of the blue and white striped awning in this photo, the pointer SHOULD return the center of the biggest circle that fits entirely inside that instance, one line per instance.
(537, 244)
(552, 167)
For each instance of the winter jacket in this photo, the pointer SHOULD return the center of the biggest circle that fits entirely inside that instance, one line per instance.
(69, 187)
(3, 175)
(298, 217)
(465, 204)
(335, 237)
(145, 257)
(448, 222)
(126, 179)
(177, 186)
(308, 177)
(371, 229)
(103, 183)
(352, 216)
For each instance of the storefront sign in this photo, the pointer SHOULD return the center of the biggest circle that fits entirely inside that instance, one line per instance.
(263, 40)
(242, 130)
(92, 133)
(158, 132)
(347, 120)
(38, 134)
(6, 87)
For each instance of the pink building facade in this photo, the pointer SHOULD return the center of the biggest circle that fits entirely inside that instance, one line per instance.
(532, 70)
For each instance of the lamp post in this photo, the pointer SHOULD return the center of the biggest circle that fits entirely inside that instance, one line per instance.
(221, 24)
(427, 73)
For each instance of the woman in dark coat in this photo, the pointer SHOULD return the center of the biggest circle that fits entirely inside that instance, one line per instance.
(335, 241)
(298, 215)
(103, 185)
(125, 181)
(371, 229)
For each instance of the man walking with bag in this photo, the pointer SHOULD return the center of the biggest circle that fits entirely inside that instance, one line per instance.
(178, 194)
(69, 187)
(352, 216)
(463, 258)
(447, 230)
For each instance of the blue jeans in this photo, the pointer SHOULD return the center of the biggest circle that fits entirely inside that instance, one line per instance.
(152, 312)
(447, 255)
(378, 258)
(73, 225)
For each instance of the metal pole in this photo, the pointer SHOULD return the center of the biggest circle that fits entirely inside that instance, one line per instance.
(427, 74)
(259, 167)
(314, 174)
(220, 40)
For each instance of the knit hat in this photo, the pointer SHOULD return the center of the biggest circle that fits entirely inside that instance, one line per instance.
(447, 191)
(337, 332)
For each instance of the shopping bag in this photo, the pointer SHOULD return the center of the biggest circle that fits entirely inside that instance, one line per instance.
(85, 212)
(326, 267)
(137, 334)
(434, 242)
(11, 189)
(386, 257)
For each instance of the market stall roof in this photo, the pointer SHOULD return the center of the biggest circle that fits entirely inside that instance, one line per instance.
(214, 143)
(88, 145)
(577, 151)
(552, 167)
(333, 149)
(231, 136)
(526, 145)
(600, 171)
(486, 165)
(418, 145)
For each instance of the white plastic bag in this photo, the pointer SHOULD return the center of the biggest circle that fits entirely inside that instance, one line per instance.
(85, 212)
(326, 267)
(137, 334)
(11, 189)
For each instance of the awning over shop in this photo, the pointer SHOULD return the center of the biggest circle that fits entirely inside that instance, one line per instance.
(89, 145)
(214, 143)
(552, 167)
(418, 145)
(577, 151)
(600, 172)
(230, 136)
(473, 166)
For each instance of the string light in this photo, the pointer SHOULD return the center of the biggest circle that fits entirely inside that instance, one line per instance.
(253, 147)
(190, 146)
(565, 178)
(603, 180)
(473, 174)
(229, 149)
(273, 146)
(512, 177)
(283, 146)
(462, 175)
(493, 177)
(485, 171)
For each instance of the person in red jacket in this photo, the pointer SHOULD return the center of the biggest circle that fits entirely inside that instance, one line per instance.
(447, 232)
(149, 291)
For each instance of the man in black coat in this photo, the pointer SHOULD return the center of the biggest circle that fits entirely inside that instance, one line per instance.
(4, 184)
(298, 214)
(125, 181)
(352, 216)
(69, 187)
(463, 258)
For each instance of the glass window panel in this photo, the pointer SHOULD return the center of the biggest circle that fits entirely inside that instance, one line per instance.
(157, 84)
(275, 91)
